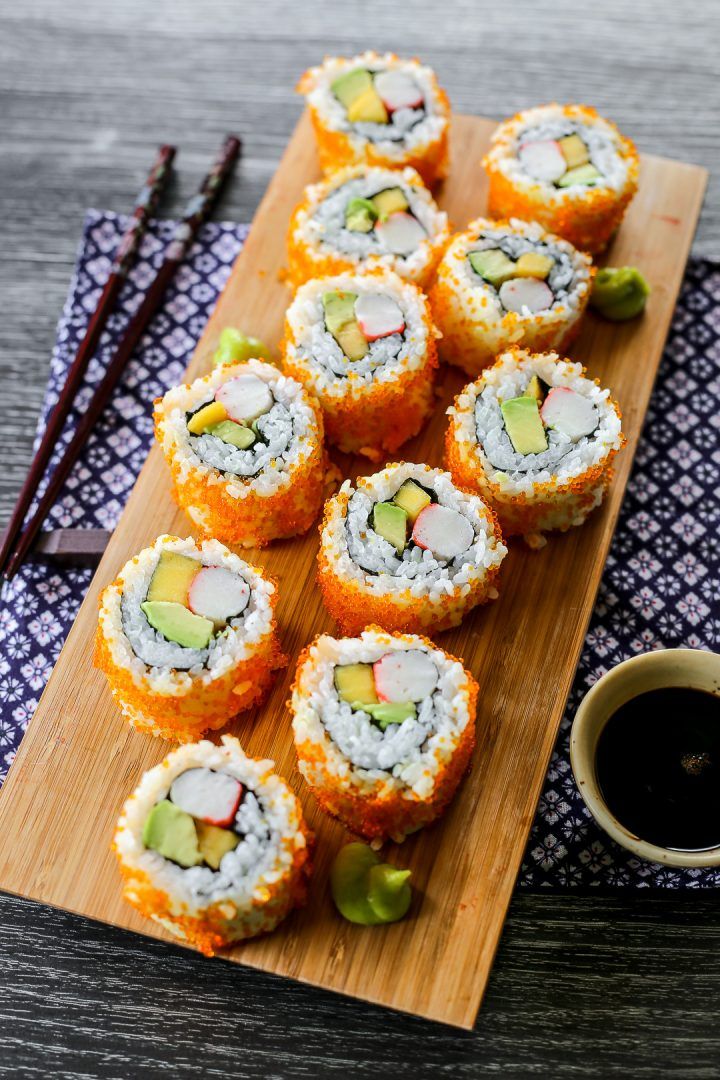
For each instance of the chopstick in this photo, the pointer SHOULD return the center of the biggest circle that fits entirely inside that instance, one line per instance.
(196, 212)
(124, 259)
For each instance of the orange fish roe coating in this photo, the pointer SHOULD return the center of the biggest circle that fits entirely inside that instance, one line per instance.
(282, 501)
(183, 719)
(338, 148)
(386, 803)
(371, 416)
(155, 887)
(585, 216)
(312, 252)
(555, 501)
(475, 327)
(356, 598)
(178, 705)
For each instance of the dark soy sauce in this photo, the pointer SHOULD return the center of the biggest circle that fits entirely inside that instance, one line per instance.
(658, 767)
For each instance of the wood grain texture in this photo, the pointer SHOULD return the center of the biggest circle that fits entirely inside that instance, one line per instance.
(78, 760)
(613, 986)
(627, 992)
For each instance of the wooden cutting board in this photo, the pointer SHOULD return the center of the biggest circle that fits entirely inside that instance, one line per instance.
(79, 760)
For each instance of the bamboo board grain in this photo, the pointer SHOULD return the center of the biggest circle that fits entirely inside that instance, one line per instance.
(79, 760)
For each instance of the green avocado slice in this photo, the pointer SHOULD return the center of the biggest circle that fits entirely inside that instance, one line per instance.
(390, 522)
(583, 174)
(178, 623)
(524, 425)
(360, 215)
(233, 434)
(492, 265)
(171, 832)
(339, 310)
(348, 87)
(391, 712)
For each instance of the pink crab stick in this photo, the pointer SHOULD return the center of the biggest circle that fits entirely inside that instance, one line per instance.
(519, 293)
(398, 91)
(442, 531)
(401, 233)
(245, 398)
(543, 159)
(378, 316)
(208, 796)
(405, 676)
(569, 413)
(218, 594)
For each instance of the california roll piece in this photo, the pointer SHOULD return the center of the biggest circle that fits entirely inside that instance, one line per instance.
(187, 637)
(406, 550)
(365, 347)
(384, 728)
(245, 448)
(364, 217)
(213, 846)
(379, 110)
(566, 167)
(536, 439)
(503, 283)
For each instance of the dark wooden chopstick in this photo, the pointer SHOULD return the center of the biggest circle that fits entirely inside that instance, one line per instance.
(124, 259)
(196, 212)
(72, 547)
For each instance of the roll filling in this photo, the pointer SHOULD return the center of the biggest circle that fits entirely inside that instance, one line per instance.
(384, 726)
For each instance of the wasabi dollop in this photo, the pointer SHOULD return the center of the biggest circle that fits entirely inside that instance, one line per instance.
(236, 347)
(367, 891)
(619, 293)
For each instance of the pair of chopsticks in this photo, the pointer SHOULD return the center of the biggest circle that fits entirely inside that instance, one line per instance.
(17, 540)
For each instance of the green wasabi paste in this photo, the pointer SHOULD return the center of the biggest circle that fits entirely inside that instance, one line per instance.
(619, 293)
(367, 891)
(236, 348)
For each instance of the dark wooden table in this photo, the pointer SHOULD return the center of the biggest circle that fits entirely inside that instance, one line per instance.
(624, 984)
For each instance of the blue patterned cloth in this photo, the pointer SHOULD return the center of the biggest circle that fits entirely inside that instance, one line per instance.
(661, 584)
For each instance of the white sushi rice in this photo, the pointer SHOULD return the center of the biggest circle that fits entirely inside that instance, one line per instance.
(313, 346)
(268, 818)
(569, 278)
(603, 141)
(407, 755)
(362, 554)
(479, 423)
(289, 428)
(165, 667)
(407, 129)
(322, 225)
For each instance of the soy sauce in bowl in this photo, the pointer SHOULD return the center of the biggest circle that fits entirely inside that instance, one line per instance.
(657, 765)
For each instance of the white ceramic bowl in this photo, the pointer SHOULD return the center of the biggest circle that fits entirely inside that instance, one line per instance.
(650, 671)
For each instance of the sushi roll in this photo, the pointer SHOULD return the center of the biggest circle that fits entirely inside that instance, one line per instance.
(407, 550)
(381, 110)
(365, 347)
(187, 637)
(245, 448)
(384, 728)
(566, 167)
(508, 283)
(362, 217)
(536, 439)
(212, 845)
